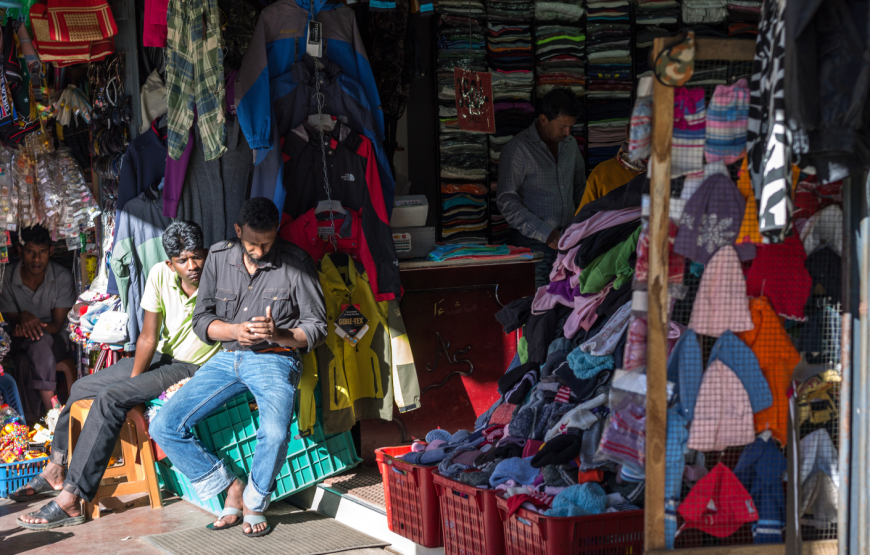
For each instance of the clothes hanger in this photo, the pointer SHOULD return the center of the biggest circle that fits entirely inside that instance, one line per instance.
(324, 122)
(333, 206)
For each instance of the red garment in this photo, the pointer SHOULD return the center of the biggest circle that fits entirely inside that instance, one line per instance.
(540, 500)
(718, 504)
(779, 273)
(349, 239)
(154, 28)
(531, 447)
(590, 476)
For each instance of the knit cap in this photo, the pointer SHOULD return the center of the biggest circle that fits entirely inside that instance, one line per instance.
(721, 303)
(718, 504)
(711, 219)
(559, 476)
(723, 414)
(779, 273)
(587, 366)
(580, 500)
(523, 424)
(443, 435)
(824, 229)
(727, 116)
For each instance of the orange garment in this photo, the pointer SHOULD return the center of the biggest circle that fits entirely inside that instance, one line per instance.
(464, 188)
(749, 228)
(606, 176)
(590, 476)
(777, 357)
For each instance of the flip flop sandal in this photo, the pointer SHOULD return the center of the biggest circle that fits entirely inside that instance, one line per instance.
(253, 520)
(40, 487)
(55, 516)
(229, 511)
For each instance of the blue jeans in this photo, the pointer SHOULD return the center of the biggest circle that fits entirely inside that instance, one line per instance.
(543, 266)
(272, 379)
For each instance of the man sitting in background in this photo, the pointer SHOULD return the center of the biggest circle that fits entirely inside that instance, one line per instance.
(36, 297)
(167, 352)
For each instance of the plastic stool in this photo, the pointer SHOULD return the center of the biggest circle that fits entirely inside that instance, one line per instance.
(138, 467)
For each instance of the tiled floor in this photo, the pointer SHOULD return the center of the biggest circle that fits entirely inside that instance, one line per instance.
(111, 534)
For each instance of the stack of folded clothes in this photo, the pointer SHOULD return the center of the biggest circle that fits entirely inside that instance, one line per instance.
(743, 18)
(709, 12)
(560, 57)
(654, 19)
(512, 117)
(559, 10)
(510, 11)
(608, 121)
(608, 77)
(464, 212)
(463, 155)
(513, 85)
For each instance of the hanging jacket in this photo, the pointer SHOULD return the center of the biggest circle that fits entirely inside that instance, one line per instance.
(360, 381)
(354, 181)
(295, 100)
(279, 41)
(760, 469)
(138, 247)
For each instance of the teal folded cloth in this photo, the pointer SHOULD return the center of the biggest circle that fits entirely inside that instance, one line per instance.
(580, 500)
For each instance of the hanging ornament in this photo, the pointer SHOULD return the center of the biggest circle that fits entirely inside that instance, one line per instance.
(474, 106)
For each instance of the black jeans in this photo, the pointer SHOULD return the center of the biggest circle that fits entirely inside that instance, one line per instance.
(114, 394)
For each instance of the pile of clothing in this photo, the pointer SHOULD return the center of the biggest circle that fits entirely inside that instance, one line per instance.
(743, 18)
(509, 10)
(654, 19)
(460, 44)
(464, 212)
(509, 47)
(483, 252)
(707, 12)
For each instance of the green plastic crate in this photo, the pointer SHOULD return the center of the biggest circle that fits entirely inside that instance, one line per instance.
(231, 433)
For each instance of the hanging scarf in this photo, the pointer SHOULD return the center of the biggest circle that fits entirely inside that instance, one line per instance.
(625, 159)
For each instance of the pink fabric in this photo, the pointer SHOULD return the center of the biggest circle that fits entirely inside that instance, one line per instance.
(584, 315)
(721, 304)
(532, 447)
(723, 414)
(544, 301)
(601, 220)
(154, 29)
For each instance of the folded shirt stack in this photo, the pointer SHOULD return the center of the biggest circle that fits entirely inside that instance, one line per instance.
(710, 12)
(559, 11)
(560, 57)
(607, 124)
(464, 212)
(657, 12)
(578, 131)
(608, 51)
(463, 155)
(512, 85)
(473, 8)
(509, 46)
(743, 18)
(517, 11)
(512, 117)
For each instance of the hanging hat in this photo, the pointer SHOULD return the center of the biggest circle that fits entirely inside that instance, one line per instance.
(711, 219)
(779, 273)
(685, 368)
(824, 229)
(675, 64)
(723, 413)
(718, 504)
(721, 303)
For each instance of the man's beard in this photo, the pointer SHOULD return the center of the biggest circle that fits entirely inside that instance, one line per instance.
(258, 262)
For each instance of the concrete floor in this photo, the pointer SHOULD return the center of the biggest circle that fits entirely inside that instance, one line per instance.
(112, 533)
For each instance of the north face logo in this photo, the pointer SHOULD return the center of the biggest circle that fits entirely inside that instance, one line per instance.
(348, 177)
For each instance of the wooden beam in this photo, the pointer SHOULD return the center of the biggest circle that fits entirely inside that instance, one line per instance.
(733, 50)
(824, 547)
(657, 319)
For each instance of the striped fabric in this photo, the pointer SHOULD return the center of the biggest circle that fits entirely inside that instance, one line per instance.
(768, 139)
(726, 123)
(687, 150)
(195, 76)
(564, 394)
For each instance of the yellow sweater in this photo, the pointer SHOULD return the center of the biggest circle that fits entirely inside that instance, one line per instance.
(606, 177)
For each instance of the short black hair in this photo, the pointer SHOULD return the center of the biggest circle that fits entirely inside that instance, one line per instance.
(560, 102)
(259, 214)
(36, 235)
(182, 236)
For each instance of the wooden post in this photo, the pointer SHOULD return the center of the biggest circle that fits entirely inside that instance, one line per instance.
(657, 318)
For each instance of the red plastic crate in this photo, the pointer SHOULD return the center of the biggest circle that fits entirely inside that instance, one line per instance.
(530, 533)
(469, 519)
(412, 502)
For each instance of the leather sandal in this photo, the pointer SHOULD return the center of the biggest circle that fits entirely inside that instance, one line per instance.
(229, 511)
(55, 516)
(40, 487)
(253, 520)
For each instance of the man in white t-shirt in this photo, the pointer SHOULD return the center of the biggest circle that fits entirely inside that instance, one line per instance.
(167, 352)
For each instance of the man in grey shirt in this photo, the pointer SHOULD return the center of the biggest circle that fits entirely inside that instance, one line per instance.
(36, 297)
(261, 298)
(541, 179)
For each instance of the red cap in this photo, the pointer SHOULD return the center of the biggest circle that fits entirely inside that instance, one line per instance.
(718, 504)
